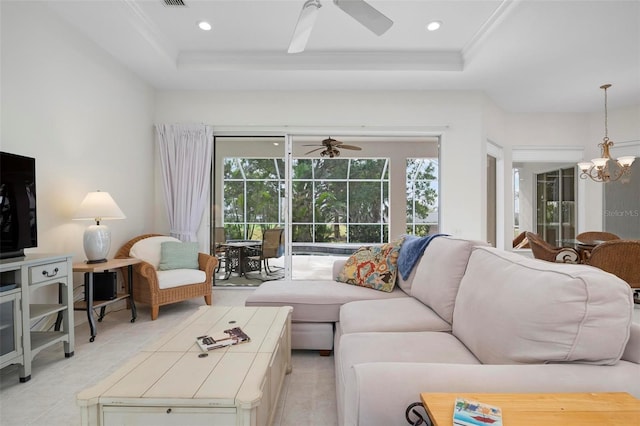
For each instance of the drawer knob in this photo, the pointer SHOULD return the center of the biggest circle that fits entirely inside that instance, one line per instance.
(168, 410)
(48, 275)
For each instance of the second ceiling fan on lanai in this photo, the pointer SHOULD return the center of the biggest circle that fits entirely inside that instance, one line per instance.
(330, 148)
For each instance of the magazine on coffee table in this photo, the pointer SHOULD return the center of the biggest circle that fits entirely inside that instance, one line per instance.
(229, 337)
(473, 413)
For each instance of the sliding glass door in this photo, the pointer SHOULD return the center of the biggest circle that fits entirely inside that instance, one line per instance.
(337, 204)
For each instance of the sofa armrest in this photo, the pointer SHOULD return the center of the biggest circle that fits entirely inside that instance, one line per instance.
(632, 350)
(146, 270)
(379, 393)
(338, 264)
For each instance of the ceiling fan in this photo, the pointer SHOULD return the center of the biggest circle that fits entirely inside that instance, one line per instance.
(359, 10)
(330, 148)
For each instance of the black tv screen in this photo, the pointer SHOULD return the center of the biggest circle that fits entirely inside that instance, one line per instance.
(18, 224)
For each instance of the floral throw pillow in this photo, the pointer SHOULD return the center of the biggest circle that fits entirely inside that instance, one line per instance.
(372, 267)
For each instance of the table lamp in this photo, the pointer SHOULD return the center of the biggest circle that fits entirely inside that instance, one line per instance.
(97, 206)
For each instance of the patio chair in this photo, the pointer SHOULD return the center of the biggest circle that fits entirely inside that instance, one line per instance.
(619, 257)
(545, 251)
(272, 247)
(162, 287)
(220, 238)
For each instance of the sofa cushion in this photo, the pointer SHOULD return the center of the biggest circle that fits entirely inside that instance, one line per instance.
(314, 301)
(439, 272)
(174, 255)
(512, 310)
(374, 267)
(148, 249)
(402, 314)
(424, 346)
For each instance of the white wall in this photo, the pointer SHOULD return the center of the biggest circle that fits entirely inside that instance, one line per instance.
(86, 120)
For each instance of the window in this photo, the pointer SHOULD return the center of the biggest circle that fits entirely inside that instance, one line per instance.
(340, 200)
(555, 205)
(422, 196)
(334, 200)
(252, 196)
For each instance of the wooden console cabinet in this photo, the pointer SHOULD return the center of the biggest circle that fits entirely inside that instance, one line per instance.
(19, 277)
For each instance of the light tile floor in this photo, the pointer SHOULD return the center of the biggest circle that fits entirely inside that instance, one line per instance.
(48, 399)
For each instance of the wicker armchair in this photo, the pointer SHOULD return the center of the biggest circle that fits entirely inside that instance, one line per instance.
(545, 251)
(596, 236)
(619, 257)
(145, 281)
(521, 242)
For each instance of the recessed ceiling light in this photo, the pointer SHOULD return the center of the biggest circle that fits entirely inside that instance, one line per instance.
(433, 25)
(204, 26)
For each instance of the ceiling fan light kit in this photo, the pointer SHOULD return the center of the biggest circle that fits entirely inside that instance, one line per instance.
(360, 10)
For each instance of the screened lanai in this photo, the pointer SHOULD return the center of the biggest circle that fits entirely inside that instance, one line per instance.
(336, 205)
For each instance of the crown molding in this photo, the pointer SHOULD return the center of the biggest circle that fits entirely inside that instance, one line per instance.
(344, 61)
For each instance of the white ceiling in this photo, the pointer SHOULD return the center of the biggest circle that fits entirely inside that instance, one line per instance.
(527, 55)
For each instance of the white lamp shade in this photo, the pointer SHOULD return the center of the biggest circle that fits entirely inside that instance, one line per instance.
(584, 166)
(600, 162)
(98, 206)
(626, 161)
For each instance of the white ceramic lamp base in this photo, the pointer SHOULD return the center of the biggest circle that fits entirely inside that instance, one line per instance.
(97, 241)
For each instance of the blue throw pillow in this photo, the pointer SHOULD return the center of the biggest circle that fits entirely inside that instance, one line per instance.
(175, 255)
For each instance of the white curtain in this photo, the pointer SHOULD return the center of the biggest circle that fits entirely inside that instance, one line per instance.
(185, 156)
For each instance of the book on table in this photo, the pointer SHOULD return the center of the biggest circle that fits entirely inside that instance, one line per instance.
(473, 413)
(229, 337)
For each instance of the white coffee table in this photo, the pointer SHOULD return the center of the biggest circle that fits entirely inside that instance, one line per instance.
(169, 383)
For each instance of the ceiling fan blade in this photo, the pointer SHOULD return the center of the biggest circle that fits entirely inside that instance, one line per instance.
(313, 144)
(314, 150)
(305, 23)
(366, 14)
(357, 148)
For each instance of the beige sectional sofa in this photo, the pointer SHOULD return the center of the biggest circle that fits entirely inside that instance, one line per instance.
(472, 318)
(316, 306)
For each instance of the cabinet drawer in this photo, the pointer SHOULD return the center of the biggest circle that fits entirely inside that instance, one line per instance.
(161, 416)
(47, 272)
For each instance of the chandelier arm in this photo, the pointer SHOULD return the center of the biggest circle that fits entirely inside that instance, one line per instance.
(603, 175)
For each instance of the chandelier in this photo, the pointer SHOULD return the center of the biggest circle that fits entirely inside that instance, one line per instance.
(598, 168)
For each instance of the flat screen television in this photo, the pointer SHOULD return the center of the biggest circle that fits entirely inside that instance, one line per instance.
(18, 220)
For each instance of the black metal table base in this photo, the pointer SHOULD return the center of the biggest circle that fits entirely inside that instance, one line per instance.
(89, 292)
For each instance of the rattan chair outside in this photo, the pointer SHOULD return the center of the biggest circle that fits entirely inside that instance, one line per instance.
(545, 251)
(619, 257)
(145, 281)
(596, 236)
